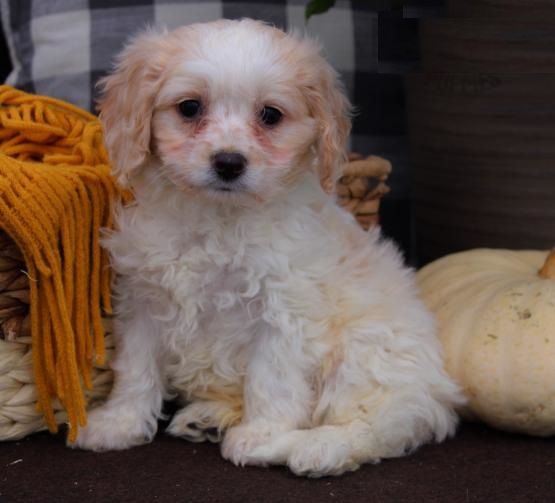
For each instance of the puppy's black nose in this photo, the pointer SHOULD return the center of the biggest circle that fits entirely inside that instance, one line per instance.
(229, 165)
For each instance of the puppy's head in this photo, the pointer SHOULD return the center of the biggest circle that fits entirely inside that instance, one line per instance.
(233, 110)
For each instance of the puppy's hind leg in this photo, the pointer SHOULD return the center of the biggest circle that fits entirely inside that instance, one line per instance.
(205, 420)
(321, 451)
(392, 430)
(378, 402)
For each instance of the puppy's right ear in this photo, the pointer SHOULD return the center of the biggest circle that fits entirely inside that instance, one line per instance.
(127, 101)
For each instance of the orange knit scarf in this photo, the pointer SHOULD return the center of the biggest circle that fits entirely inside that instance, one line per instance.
(56, 192)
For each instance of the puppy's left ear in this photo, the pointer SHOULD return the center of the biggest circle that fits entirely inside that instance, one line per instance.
(332, 110)
(127, 102)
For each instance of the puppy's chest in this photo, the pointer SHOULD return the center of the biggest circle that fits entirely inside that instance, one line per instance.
(210, 273)
(203, 268)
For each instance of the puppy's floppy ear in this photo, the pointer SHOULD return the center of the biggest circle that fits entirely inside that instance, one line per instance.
(127, 101)
(332, 110)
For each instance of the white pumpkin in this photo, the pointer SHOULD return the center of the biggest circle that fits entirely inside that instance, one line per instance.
(496, 321)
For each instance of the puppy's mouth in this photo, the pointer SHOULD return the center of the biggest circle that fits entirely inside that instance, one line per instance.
(225, 189)
(236, 193)
(235, 187)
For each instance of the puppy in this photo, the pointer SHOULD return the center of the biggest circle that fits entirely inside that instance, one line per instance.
(289, 333)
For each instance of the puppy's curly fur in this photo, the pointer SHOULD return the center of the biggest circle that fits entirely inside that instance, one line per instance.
(242, 287)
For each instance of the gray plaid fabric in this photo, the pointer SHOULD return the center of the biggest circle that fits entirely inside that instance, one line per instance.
(61, 47)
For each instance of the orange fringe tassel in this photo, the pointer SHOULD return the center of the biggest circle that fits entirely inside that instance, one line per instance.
(56, 192)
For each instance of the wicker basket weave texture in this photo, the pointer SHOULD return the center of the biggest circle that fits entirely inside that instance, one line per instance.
(359, 191)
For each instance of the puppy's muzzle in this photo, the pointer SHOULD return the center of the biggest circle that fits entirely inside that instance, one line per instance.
(229, 166)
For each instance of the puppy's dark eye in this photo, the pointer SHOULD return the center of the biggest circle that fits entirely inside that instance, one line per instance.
(189, 108)
(270, 116)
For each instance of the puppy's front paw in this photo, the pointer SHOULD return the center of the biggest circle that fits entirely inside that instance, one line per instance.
(318, 459)
(113, 429)
(241, 440)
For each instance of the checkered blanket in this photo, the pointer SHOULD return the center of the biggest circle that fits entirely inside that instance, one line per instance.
(61, 47)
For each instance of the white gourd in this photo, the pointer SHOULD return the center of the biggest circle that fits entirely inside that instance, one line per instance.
(496, 321)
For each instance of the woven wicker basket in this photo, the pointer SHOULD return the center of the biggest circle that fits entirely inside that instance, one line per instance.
(359, 191)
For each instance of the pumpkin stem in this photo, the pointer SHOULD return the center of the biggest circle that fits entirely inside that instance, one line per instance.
(548, 269)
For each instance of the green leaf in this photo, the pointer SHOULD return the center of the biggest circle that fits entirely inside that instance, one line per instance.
(317, 7)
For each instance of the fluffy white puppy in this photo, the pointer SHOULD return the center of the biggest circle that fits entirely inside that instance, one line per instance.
(289, 333)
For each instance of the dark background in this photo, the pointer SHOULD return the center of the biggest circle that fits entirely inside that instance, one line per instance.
(399, 56)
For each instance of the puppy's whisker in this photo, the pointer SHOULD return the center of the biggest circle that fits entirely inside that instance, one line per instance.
(175, 178)
(156, 178)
